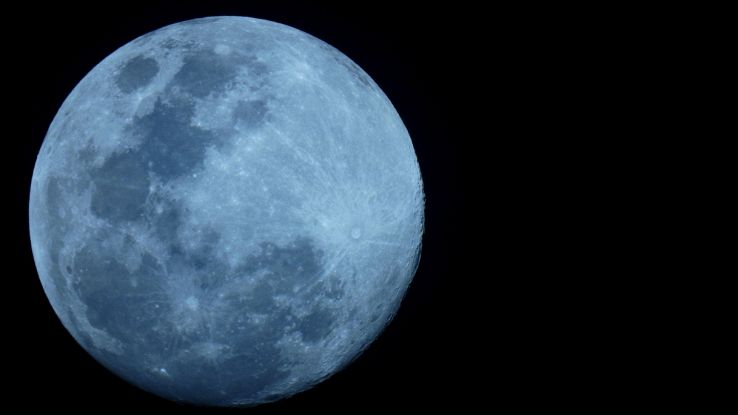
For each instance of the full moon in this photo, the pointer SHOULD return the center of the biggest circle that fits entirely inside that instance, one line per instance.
(226, 211)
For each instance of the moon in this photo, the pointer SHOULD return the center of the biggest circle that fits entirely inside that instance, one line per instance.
(226, 211)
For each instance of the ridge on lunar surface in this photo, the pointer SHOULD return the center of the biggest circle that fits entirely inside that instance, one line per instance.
(226, 211)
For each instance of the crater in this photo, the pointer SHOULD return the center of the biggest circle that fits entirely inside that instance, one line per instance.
(334, 288)
(137, 73)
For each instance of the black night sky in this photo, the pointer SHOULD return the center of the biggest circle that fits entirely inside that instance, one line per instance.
(428, 60)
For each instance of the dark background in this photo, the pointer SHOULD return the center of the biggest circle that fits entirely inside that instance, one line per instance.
(533, 126)
(439, 67)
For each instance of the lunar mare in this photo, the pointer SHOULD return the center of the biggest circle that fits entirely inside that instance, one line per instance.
(226, 211)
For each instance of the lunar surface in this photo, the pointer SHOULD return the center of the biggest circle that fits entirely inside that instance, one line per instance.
(226, 211)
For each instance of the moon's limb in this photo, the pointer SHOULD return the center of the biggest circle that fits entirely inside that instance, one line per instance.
(226, 211)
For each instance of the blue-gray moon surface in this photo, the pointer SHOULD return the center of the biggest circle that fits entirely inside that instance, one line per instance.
(226, 211)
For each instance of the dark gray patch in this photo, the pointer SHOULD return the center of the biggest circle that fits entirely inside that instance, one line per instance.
(260, 299)
(210, 274)
(124, 310)
(251, 361)
(251, 113)
(287, 267)
(283, 270)
(173, 43)
(257, 70)
(205, 72)
(298, 261)
(316, 325)
(287, 270)
(87, 155)
(121, 187)
(171, 146)
(202, 256)
(254, 367)
(137, 73)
